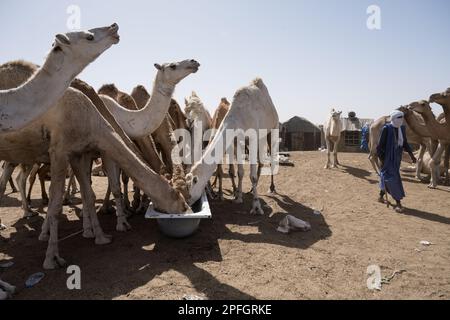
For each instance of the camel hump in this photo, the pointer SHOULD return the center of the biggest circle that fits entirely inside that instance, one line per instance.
(259, 83)
(109, 90)
(20, 64)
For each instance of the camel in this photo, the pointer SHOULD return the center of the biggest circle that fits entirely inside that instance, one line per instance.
(143, 122)
(90, 131)
(11, 182)
(375, 132)
(218, 117)
(162, 135)
(70, 54)
(438, 130)
(147, 147)
(253, 99)
(12, 75)
(332, 130)
(199, 123)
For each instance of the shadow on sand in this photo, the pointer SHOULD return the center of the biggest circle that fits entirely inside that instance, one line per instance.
(141, 255)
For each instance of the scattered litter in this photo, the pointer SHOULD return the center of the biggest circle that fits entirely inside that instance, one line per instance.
(317, 213)
(2, 226)
(6, 265)
(253, 223)
(34, 279)
(192, 297)
(426, 243)
(6, 290)
(285, 161)
(387, 280)
(291, 223)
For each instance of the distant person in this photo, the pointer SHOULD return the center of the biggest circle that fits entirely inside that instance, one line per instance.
(390, 148)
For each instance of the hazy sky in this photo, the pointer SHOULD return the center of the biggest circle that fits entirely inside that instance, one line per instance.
(312, 55)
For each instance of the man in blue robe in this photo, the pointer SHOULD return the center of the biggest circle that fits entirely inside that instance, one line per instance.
(390, 148)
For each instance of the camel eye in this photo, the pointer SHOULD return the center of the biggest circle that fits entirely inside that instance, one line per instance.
(173, 66)
(90, 37)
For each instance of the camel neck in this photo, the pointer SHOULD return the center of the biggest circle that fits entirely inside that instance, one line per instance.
(437, 129)
(417, 127)
(24, 104)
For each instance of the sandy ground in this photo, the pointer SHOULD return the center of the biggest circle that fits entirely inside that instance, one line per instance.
(239, 256)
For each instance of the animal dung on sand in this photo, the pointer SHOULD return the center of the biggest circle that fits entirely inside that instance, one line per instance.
(291, 223)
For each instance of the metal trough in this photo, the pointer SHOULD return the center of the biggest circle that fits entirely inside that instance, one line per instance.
(181, 225)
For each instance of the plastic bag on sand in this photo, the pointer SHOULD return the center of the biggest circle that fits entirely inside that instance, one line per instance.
(6, 290)
(34, 279)
(291, 223)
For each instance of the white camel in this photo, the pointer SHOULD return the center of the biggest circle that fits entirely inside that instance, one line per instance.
(199, 122)
(252, 109)
(332, 130)
(70, 54)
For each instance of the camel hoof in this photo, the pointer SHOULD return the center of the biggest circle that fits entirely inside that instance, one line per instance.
(88, 234)
(432, 187)
(326, 167)
(44, 237)
(103, 239)
(257, 211)
(123, 227)
(54, 263)
(238, 201)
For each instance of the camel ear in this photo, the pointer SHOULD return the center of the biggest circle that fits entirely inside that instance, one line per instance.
(62, 39)
(158, 66)
(194, 94)
(186, 102)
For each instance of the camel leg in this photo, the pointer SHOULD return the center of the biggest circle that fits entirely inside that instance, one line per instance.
(8, 170)
(446, 164)
(328, 142)
(219, 174)
(335, 155)
(136, 198)
(256, 207)
(373, 162)
(43, 172)
(82, 169)
(32, 180)
(107, 207)
(113, 171)
(238, 197)
(272, 189)
(126, 199)
(58, 177)
(419, 164)
(22, 183)
(232, 174)
(434, 166)
(12, 185)
(143, 205)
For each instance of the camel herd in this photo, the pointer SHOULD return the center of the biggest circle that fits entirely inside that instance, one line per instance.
(423, 128)
(52, 124)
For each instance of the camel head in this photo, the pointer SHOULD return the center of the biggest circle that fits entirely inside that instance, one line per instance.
(193, 106)
(194, 185)
(224, 101)
(336, 115)
(173, 73)
(421, 106)
(109, 90)
(78, 49)
(441, 98)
